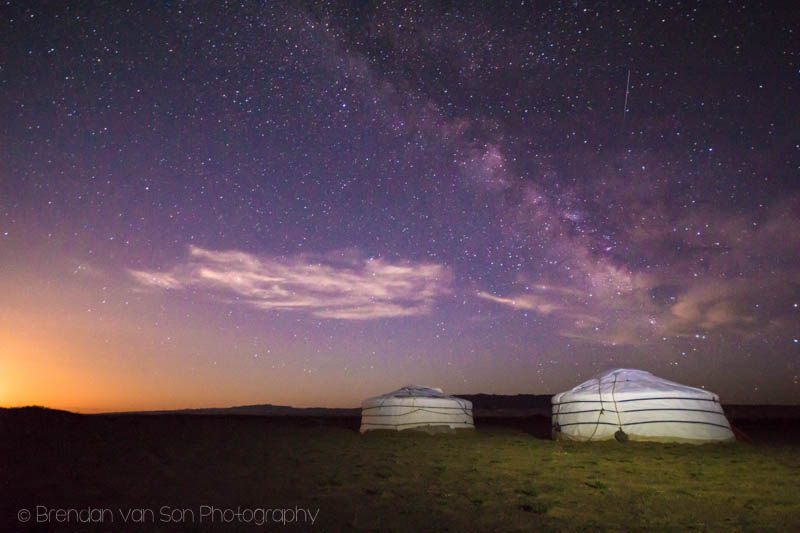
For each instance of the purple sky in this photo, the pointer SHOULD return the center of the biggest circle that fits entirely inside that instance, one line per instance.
(217, 205)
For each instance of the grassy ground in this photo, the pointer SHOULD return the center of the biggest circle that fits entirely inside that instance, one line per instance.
(499, 477)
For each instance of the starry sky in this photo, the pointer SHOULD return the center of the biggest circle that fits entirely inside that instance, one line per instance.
(310, 203)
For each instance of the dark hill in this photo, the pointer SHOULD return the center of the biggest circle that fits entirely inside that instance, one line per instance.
(256, 410)
(500, 401)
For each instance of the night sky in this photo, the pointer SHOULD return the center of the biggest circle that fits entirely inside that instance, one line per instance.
(308, 204)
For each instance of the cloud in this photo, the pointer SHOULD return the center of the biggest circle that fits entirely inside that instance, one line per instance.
(729, 306)
(637, 317)
(349, 289)
(577, 315)
(524, 301)
(155, 279)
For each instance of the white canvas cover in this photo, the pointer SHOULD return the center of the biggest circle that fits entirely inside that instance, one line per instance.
(415, 406)
(644, 406)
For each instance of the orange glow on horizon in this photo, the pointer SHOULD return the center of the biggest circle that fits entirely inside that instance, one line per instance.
(71, 365)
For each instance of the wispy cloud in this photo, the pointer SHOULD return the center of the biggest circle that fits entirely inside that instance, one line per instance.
(524, 301)
(158, 280)
(354, 289)
(736, 308)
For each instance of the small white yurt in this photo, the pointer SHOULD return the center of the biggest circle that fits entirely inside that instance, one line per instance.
(416, 407)
(636, 405)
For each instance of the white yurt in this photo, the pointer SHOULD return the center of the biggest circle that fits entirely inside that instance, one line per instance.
(416, 407)
(636, 405)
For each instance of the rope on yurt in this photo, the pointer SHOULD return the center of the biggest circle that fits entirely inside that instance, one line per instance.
(602, 409)
(620, 435)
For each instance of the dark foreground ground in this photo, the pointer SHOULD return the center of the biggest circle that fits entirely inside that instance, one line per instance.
(169, 471)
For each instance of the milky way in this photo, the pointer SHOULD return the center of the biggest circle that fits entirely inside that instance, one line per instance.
(311, 204)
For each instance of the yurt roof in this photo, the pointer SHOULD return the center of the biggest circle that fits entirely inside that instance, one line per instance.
(417, 395)
(623, 381)
(410, 391)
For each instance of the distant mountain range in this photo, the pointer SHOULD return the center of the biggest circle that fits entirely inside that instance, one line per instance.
(480, 402)
(484, 405)
(255, 410)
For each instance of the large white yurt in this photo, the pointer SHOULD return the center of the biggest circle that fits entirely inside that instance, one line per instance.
(636, 405)
(416, 407)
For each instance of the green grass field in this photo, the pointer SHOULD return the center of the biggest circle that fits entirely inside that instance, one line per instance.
(499, 477)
